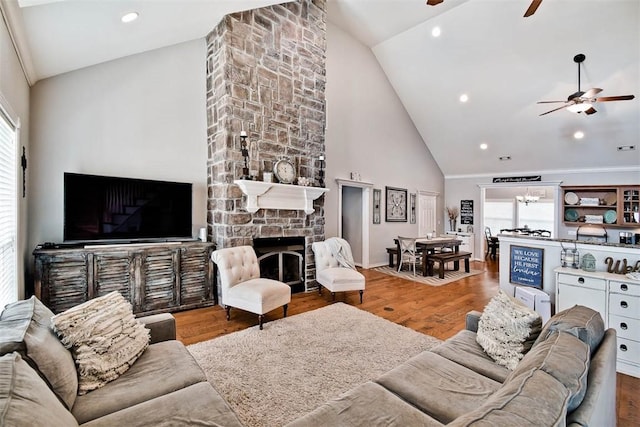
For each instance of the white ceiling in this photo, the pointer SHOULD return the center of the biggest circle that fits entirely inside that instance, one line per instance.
(504, 62)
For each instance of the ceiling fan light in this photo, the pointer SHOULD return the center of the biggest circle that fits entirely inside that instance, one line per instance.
(579, 108)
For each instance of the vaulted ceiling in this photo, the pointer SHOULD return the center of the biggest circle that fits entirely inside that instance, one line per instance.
(487, 50)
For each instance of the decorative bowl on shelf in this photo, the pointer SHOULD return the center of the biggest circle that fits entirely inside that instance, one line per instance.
(571, 215)
(571, 198)
(610, 199)
(610, 216)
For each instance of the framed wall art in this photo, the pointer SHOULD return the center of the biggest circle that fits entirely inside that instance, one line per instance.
(396, 204)
(377, 196)
(412, 208)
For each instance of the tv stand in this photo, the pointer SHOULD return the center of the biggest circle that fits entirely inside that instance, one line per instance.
(155, 277)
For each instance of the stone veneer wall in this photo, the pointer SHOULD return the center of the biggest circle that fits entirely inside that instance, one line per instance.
(266, 75)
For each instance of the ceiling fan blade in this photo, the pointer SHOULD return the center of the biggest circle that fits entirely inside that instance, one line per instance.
(592, 92)
(434, 2)
(549, 102)
(590, 111)
(532, 8)
(556, 109)
(614, 98)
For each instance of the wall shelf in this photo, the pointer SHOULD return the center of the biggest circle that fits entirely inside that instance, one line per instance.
(269, 195)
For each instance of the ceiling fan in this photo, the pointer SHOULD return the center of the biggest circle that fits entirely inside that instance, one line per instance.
(530, 11)
(579, 101)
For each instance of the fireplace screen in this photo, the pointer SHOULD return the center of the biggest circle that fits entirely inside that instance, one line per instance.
(282, 258)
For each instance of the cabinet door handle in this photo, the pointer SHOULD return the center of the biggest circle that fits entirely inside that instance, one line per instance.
(623, 326)
(581, 280)
(623, 347)
(624, 304)
(624, 287)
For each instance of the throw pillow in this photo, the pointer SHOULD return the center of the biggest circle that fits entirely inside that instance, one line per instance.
(507, 329)
(25, 327)
(26, 400)
(580, 321)
(104, 337)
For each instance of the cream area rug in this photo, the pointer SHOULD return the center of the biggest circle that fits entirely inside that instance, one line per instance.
(274, 376)
(449, 275)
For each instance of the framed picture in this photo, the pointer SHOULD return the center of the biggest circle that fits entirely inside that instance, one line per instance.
(396, 204)
(412, 208)
(526, 266)
(377, 196)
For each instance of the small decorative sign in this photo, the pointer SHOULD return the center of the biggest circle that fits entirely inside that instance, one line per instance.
(466, 212)
(526, 266)
(518, 179)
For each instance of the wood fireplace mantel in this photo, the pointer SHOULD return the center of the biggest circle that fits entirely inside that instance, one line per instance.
(269, 195)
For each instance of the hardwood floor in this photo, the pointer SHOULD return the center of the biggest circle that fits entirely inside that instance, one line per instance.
(435, 310)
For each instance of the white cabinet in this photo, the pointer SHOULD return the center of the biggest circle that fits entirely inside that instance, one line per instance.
(616, 298)
(468, 241)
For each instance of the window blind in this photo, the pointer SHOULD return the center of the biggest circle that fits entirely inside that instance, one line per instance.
(8, 212)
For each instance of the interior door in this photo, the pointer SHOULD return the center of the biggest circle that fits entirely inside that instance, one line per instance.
(427, 218)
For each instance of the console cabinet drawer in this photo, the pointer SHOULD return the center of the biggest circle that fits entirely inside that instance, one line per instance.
(624, 305)
(624, 288)
(625, 327)
(628, 350)
(582, 281)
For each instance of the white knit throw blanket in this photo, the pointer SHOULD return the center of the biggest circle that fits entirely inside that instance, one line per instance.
(341, 251)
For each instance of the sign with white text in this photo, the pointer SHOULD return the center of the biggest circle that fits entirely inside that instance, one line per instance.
(526, 266)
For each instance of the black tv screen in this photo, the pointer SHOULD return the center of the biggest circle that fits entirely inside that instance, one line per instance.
(98, 208)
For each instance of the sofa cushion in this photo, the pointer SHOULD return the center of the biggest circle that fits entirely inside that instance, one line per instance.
(368, 405)
(196, 405)
(163, 368)
(104, 337)
(25, 399)
(437, 386)
(25, 327)
(532, 399)
(580, 321)
(507, 329)
(566, 359)
(463, 348)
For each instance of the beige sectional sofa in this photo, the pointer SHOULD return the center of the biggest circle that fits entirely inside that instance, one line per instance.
(568, 377)
(164, 387)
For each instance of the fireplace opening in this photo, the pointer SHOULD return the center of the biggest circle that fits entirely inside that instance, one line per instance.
(282, 258)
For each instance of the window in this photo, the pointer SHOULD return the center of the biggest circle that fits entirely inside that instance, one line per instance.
(498, 216)
(536, 216)
(8, 211)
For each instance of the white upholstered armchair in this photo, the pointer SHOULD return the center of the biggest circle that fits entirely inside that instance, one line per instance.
(242, 287)
(331, 271)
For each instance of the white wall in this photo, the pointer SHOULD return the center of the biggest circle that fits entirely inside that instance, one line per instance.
(14, 95)
(142, 116)
(460, 188)
(369, 131)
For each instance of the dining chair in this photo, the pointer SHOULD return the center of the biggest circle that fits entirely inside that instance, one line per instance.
(408, 253)
(492, 244)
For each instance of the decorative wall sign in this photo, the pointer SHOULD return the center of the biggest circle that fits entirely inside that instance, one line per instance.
(466, 212)
(377, 194)
(396, 204)
(412, 204)
(519, 179)
(526, 266)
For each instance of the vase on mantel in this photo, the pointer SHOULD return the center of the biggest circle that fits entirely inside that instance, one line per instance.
(452, 224)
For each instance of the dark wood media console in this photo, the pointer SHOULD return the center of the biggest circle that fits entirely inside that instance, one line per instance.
(154, 277)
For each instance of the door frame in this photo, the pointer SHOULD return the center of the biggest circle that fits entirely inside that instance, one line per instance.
(366, 213)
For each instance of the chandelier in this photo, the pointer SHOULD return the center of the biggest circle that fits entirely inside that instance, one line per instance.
(527, 198)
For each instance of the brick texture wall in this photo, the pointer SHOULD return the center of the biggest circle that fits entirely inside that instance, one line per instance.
(266, 76)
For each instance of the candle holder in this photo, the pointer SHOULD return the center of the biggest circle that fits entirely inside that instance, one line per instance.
(245, 153)
(321, 171)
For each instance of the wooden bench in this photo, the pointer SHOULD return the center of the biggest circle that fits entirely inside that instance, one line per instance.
(442, 258)
(393, 252)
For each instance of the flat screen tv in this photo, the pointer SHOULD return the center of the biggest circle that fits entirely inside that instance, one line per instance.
(104, 208)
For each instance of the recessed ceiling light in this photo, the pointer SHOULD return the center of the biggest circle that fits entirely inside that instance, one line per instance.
(436, 31)
(578, 134)
(129, 17)
(483, 146)
(464, 97)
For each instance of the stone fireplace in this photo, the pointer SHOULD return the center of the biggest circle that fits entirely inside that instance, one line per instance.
(266, 76)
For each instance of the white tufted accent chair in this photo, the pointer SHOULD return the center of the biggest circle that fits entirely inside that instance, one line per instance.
(331, 275)
(243, 288)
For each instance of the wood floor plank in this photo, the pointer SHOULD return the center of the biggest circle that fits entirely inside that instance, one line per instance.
(435, 310)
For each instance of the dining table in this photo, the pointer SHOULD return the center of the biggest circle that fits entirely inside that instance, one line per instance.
(429, 246)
